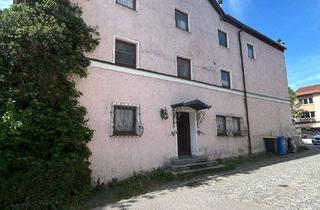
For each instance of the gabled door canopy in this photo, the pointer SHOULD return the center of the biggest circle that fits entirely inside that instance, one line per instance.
(194, 104)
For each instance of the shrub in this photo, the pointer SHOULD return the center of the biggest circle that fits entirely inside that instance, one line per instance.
(43, 133)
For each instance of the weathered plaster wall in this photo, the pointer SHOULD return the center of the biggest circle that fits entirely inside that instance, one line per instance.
(153, 27)
(160, 42)
(119, 157)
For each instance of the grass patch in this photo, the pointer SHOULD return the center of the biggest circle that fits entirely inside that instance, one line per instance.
(138, 184)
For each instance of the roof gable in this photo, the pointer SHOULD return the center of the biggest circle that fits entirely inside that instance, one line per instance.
(244, 27)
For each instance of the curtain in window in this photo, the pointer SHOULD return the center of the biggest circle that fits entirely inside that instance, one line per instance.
(124, 120)
(236, 126)
(128, 3)
(221, 125)
(181, 23)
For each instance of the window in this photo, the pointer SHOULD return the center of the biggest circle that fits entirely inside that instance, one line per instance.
(313, 114)
(127, 3)
(305, 101)
(223, 38)
(221, 126)
(125, 120)
(306, 115)
(310, 100)
(300, 101)
(125, 54)
(230, 126)
(250, 51)
(182, 21)
(236, 126)
(225, 79)
(184, 68)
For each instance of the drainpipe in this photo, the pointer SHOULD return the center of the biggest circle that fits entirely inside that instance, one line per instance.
(245, 93)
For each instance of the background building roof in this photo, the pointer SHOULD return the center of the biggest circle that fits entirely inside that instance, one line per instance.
(308, 90)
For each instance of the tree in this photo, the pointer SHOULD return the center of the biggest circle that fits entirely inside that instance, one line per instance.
(295, 105)
(43, 132)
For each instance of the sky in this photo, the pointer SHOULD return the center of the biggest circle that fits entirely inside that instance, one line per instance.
(296, 22)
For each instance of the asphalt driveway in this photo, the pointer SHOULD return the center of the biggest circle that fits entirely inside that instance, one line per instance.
(286, 183)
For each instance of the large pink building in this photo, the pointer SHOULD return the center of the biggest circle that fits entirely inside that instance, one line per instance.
(178, 78)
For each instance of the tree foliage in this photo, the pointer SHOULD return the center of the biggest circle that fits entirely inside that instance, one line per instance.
(295, 105)
(43, 133)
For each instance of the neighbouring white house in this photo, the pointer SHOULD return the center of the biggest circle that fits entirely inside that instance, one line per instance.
(309, 98)
(178, 78)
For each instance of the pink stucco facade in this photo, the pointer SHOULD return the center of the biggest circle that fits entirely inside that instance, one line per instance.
(159, 42)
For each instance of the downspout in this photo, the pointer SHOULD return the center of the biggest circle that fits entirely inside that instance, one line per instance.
(245, 93)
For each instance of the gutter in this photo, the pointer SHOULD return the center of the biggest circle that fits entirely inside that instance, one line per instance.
(245, 93)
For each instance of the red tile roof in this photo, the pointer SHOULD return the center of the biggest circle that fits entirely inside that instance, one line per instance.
(308, 90)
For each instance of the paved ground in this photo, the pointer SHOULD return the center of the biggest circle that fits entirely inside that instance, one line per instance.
(291, 183)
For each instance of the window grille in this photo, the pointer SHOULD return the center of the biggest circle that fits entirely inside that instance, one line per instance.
(126, 120)
(230, 126)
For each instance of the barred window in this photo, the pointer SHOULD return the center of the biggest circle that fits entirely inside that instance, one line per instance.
(221, 126)
(230, 126)
(125, 121)
(236, 126)
(127, 3)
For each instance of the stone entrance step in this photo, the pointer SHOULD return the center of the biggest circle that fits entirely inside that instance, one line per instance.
(191, 165)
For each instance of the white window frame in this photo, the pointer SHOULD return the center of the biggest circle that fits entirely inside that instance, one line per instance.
(112, 112)
(137, 43)
(311, 99)
(230, 73)
(228, 43)
(184, 57)
(189, 19)
(254, 51)
(125, 7)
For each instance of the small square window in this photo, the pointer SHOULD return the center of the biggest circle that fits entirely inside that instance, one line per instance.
(182, 21)
(125, 54)
(313, 114)
(223, 38)
(305, 101)
(225, 79)
(125, 121)
(131, 4)
(310, 100)
(221, 126)
(184, 68)
(250, 51)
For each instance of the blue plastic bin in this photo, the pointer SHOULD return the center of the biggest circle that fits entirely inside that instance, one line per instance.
(282, 145)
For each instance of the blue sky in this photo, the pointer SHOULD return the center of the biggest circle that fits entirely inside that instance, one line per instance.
(296, 22)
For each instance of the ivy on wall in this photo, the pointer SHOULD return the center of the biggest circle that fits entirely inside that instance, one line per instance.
(43, 132)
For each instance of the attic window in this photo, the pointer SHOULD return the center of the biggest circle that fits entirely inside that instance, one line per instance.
(182, 20)
(223, 38)
(131, 4)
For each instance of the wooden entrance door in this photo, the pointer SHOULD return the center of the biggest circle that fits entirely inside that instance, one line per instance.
(184, 140)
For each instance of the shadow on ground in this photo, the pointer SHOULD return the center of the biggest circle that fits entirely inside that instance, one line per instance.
(109, 198)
